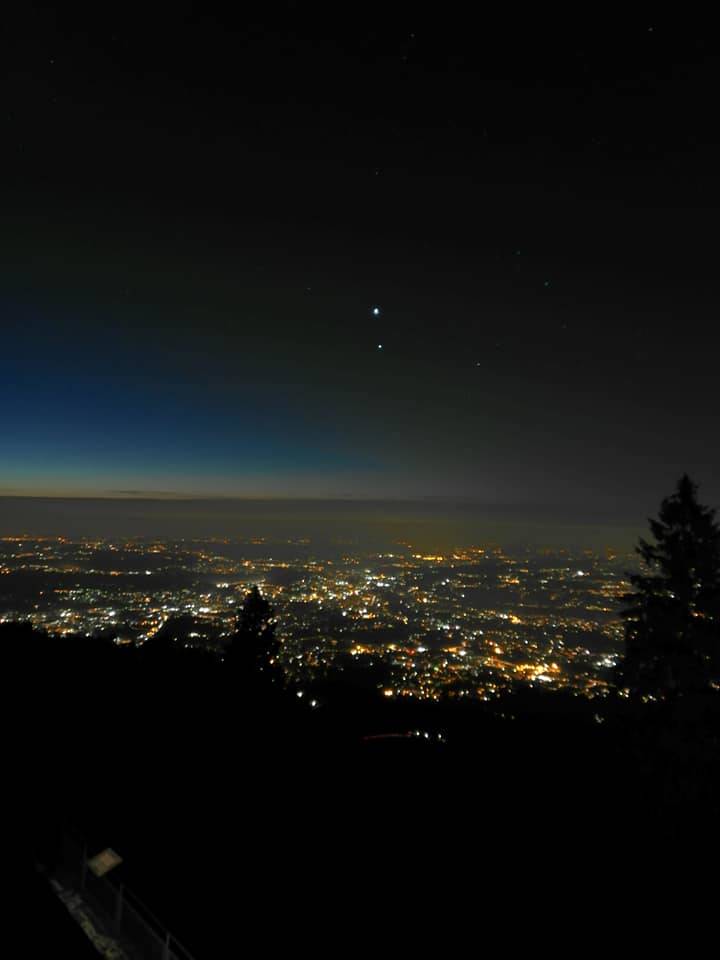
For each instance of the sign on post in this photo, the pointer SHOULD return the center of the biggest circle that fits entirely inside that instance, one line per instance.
(104, 861)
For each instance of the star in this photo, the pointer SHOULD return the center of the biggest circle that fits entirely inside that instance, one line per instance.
(376, 311)
(379, 346)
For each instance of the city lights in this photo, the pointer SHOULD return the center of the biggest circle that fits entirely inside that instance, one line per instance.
(474, 623)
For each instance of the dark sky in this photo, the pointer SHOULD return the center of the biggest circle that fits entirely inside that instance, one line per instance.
(201, 210)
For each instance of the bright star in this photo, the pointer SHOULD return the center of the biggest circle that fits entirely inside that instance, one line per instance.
(376, 311)
(379, 346)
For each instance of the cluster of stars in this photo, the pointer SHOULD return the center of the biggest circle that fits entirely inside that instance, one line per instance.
(376, 311)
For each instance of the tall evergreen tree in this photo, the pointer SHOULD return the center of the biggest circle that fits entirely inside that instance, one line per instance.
(253, 649)
(672, 617)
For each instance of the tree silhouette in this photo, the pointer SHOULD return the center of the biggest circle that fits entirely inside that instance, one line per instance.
(672, 618)
(253, 649)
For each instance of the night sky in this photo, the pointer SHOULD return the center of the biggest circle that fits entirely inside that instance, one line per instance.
(280, 253)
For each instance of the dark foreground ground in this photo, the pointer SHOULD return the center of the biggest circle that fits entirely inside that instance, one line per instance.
(244, 815)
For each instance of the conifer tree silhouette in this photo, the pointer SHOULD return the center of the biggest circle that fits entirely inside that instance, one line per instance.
(254, 648)
(672, 617)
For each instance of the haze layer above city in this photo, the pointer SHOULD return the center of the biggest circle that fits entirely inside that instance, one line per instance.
(437, 524)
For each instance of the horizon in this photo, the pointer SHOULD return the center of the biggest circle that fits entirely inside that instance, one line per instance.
(431, 523)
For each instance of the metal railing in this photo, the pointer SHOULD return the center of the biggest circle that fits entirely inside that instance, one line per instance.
(125, 915)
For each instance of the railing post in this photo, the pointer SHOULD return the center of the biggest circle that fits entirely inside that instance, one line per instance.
(166, 947)
(83, 866)
(118, 909)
